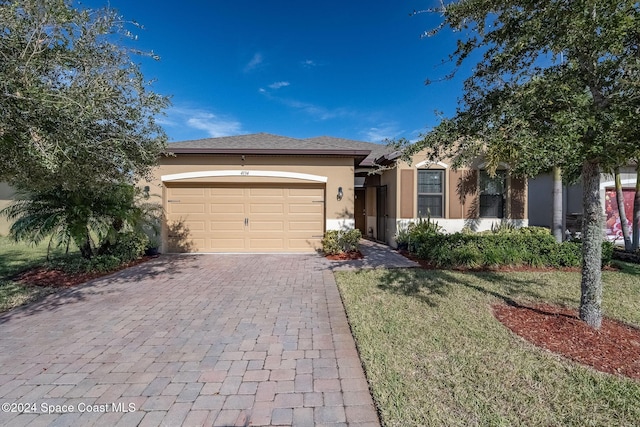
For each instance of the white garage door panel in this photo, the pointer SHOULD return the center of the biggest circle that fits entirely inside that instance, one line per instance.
(223, 206)
(267, 208)
(266, 244)
(268, 226)
(195, 225)
(313, 209)
(184, 207)
(226, 226)
(278, 218)
(226, 244)
(187, 191)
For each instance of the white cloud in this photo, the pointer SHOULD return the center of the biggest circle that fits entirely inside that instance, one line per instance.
(255, 61)
(215, 126)
(381, 132)
(316, 111)
(278, 85)
(181, 119)
(308, 63)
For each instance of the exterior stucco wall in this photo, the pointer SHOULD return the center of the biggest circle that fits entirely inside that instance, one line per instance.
(6, 197)
(339, 172)
(390, 179)
(460, 209)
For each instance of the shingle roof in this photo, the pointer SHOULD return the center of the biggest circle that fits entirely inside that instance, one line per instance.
(264, 142)
(377, 150)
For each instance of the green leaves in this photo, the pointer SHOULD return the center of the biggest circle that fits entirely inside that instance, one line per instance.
(74, 107)
(557, 87)
(79, 216)
(558, 83)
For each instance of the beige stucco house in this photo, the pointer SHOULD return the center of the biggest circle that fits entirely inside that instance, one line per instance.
(269, 193)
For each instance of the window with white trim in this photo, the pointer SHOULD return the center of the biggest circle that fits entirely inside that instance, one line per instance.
(493, 191)
(430, 193)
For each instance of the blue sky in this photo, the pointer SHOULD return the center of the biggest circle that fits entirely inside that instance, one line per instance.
(350, 69)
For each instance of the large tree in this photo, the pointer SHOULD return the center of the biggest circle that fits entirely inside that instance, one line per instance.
(75, 109)
(557, 85)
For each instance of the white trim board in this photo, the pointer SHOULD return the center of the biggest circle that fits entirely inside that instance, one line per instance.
(243, 173)
(428, 163)
(340, 224)
(624, 182)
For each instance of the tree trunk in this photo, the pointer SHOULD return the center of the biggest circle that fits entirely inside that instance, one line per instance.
(84, 244)
(558, 231)
(622, 214)
(635, 244)
(591, 286)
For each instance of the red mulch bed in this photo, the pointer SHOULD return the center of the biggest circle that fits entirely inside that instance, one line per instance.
(614, 348)
(345, 256)
(41, 276)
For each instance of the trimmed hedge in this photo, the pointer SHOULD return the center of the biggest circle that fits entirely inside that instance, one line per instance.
(531, 246)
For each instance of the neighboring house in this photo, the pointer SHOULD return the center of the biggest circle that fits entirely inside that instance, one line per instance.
(268, 193)
(6, 197)
(540, 202)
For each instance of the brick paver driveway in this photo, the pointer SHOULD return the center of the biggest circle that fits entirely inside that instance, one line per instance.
(187, 340)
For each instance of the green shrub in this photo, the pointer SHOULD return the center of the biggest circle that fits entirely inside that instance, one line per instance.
(70, 264)
(402, 234)
(503, 227)
(607, 252)
(542, 231)
(76, 264)
(566, 254)
(468, 256)
(532, 246)
(105, 263)
(128, 246)
(420, 232)
(339, 241)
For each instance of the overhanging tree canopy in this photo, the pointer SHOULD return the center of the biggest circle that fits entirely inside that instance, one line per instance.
(75, 109)
(558, 85)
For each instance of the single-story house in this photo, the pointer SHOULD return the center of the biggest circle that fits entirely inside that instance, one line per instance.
(269, 193)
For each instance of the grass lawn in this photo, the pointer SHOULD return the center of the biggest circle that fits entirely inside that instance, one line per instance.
(14, 258)
(435, 355)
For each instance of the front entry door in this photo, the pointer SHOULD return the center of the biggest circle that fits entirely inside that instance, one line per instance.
(360, 213)
(381, 213)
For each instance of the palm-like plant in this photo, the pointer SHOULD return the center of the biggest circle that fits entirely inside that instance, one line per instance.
(70, 216)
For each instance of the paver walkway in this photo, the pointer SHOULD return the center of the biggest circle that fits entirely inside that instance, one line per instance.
(376, 255)
(188, 340)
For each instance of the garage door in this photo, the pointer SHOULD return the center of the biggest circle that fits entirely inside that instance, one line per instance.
(283, 218)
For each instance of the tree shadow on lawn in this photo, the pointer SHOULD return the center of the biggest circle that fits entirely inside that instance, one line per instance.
(430, 285)
(164, 267)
